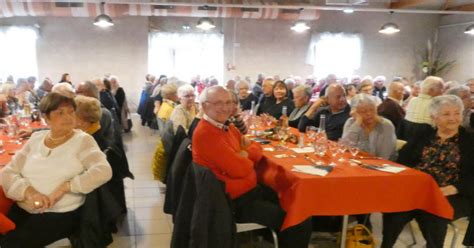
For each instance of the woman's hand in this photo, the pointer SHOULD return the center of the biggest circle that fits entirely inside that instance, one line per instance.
(59, 192)
(449, 190)
(321, 102)
(37, 200)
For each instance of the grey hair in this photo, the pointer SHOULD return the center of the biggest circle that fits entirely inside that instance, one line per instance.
(363, 99)
(290, 81)
(91, 88)
(445, 100)
(168, 90)
(458, 90)
(429, 83)
(245, 82)
(305, 89)
(204, 94)
(185, 89)
(64, 89)
(113, 77)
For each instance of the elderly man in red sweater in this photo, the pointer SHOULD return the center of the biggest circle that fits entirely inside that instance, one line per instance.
(232, 157)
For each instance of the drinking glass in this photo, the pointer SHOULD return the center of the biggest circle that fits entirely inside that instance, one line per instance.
(320, 148)
(311, 132)
(353, 148)
(342, 145)
(283, 134)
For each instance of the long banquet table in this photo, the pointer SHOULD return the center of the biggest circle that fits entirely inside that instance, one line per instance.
(348, 189)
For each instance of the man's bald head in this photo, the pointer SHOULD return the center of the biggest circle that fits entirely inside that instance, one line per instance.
(396, 89)
(336, 97)
(87, 88)
(216, 103)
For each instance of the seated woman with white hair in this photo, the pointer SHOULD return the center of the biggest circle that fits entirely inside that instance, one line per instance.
(369, 131)
(446, 153)
(184, 113)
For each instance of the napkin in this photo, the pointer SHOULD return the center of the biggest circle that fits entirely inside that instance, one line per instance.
(307, 149)
(312, 170)
(385, 168)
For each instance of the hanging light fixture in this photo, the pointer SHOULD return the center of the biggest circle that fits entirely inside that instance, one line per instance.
(205, 23)
(103, 20)
(390, 27)
(300, 27)
(469, 30)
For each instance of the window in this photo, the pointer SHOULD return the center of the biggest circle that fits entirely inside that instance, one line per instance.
(18, 52)
(338, 54)
(186, 55)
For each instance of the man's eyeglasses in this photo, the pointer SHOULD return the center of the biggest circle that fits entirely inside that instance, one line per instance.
(222, 104)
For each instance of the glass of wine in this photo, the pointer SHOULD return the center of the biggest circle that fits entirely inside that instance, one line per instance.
(353, 148)
(283, 134)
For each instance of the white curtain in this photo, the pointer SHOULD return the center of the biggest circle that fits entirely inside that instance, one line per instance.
(18, 52)
(338, 54)
(186, 55)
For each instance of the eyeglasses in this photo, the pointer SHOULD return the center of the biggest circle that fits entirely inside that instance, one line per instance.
(222, 104)
(189, 96)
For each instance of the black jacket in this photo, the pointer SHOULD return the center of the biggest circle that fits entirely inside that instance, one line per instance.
(98, 215)
(204, 217)
(175, 179)
(411, 154)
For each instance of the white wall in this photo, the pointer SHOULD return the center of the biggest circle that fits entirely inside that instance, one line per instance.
(74, 45)
(458, 46)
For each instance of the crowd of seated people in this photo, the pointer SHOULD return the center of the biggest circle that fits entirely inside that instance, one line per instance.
(82, 127)
(365, 112)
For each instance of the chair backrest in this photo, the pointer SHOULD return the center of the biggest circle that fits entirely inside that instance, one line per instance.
(212, 224)
(167, 137)
(175, 178)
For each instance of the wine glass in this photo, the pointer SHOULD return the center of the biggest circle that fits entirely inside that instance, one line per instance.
(283, 134)
(311, 132)
(342, 146)
(353, 148)
(320, 148)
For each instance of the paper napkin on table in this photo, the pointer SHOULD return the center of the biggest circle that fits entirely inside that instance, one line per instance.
(310, 169)
(385, 168)
(307, 149)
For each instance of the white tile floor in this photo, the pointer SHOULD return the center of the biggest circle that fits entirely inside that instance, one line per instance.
(147, 226)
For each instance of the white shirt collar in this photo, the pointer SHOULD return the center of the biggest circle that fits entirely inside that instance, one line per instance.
(215, 123)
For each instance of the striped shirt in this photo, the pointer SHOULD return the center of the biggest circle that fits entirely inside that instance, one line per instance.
(418, 109)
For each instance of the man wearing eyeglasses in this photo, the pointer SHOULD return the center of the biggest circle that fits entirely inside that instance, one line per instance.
(232, 157)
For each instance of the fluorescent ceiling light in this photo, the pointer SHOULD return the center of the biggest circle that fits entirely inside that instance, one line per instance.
(205, 24)
(348, 11)
(300, 27)
(469, 30)
(103, 21)
(389, 28)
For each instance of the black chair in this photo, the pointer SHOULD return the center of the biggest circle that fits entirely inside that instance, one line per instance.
(176, 176)
(204, 216)
(407, 129)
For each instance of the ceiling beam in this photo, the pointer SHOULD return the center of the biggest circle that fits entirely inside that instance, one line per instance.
(467, 7)
(402, 4)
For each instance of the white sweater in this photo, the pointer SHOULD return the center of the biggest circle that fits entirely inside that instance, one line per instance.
(79, 160)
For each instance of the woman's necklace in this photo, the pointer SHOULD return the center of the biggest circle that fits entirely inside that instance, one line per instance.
(60, 139)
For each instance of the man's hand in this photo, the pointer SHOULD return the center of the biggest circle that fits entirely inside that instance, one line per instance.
(59, 192)
(244, 142)
(449, 190)
(321, 102)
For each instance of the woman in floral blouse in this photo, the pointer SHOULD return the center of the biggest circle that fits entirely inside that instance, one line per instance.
(447, 154)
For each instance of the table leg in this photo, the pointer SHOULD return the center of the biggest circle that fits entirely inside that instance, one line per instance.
(345, 221)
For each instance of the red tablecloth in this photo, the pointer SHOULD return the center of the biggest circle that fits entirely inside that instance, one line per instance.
(349, 189)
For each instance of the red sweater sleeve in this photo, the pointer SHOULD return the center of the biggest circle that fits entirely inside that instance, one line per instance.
(222, 152)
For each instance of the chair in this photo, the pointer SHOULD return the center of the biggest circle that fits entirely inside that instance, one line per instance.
(452, 224)
(246, 227)
(204, 217)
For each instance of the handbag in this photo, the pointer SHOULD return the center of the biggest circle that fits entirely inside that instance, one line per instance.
(359, 236)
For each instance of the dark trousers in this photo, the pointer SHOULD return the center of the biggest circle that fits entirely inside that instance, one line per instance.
(261, 206)
(432, 227)
(39, 230)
